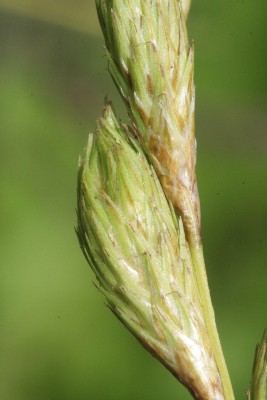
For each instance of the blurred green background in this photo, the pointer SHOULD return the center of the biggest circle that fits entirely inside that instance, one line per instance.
(57, 339)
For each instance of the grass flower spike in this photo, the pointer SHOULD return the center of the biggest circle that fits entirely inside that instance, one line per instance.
(136, 246)
(152, 64)
(258, 387)
(138, 204)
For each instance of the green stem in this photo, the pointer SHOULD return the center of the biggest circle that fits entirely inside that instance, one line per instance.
(208, 312)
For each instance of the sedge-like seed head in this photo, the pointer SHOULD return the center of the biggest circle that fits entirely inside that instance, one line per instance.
(258, 386)
(136, 246)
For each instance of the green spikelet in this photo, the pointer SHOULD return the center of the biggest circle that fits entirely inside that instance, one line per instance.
(151, 62)
(136, 246)
(258, 386)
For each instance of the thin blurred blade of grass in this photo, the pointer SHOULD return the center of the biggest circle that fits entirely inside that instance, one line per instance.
(75, 14)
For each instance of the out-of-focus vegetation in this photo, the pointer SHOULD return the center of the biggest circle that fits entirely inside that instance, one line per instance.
(57, 340)
(66, 13)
